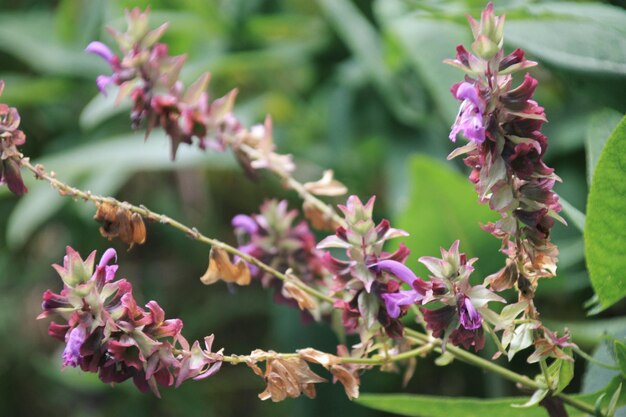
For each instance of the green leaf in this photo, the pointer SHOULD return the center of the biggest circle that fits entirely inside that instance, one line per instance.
(443, 207)
(605, 242)
(600, 126)
(561, 371)
(573, 36)
(439, 406)
(620, 355)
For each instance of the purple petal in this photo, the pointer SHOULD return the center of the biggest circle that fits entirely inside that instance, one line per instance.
(101, 50)
(470, 317)
(467, 91)
(245, 223)
(396, 268)
(102, 82)
(393, 301)
(75, 339)
(107, 256)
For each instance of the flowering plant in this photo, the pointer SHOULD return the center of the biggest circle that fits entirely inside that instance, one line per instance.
(354, 280)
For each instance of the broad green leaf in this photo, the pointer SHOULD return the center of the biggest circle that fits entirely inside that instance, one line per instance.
(439, 406)
(443, 207)
(573, 36)
(105, 166)
(605, 242)
(600, 126)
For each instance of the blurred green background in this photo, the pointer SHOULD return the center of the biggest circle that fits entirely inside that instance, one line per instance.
(356, 86)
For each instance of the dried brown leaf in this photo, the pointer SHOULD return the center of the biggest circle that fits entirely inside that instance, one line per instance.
(222, 269)
(327, 185)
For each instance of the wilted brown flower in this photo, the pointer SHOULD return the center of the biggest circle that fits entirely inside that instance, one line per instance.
(285, 377)
(121, 223)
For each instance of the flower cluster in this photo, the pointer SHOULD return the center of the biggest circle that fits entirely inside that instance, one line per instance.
(459, 320)
(150, 76)
(271, 237)
(370, 277)
(505, 151)
(105, 331)
(10, 138)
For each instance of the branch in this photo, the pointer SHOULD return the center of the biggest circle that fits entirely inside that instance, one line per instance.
(67, 190)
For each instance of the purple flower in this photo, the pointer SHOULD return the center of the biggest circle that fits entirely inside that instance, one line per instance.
(103, 51)
(75, 339)
(470, 317)
(102, 81)
(470, 117)
(395, 300)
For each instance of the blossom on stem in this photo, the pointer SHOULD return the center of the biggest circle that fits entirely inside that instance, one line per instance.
(505, 153)
(105, 331)
(147, 74)
(272, 237)
(370, 277)
(460, 319)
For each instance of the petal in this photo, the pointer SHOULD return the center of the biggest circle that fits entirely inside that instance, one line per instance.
(398, 269)
(101, 50)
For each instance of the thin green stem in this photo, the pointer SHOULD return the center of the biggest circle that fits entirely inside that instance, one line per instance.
(67, 190)
(593, 360)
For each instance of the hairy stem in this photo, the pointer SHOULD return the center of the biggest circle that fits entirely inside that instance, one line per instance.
(67, 190)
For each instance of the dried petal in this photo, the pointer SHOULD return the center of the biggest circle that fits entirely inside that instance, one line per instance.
(327, 185)
(349, 380)
(221, 268)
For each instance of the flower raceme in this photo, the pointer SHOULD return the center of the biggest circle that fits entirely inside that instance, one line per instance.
(505, 152)
(271, 237)
(461, 317)
(150, 77)
(105, 331)
(370, 278)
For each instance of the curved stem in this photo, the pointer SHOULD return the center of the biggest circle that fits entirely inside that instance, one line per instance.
(67, 190)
